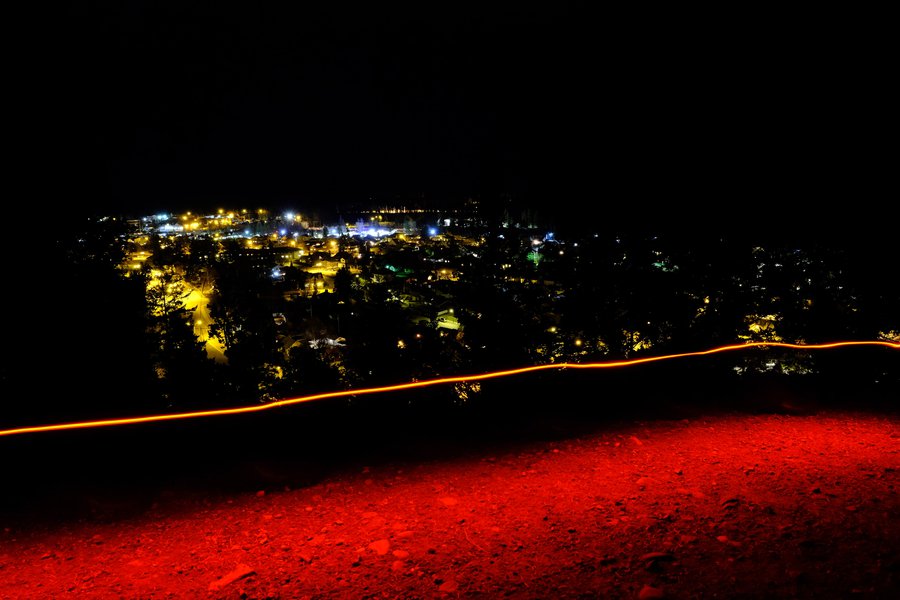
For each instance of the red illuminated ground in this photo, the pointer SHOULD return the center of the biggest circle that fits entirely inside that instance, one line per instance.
(728, 506)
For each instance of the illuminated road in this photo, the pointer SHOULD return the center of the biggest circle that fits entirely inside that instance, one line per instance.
(198, 302)
(440, 381)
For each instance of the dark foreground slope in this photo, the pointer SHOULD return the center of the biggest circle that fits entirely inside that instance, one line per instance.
(670, 480)
(739, 505)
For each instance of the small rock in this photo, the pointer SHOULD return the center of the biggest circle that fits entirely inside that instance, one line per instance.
(449, 501)
(657, 556)
(397, 565)
(449, 586)
(240, 572)
(380, 547)
(636, 440)
(260, 493)
(725, 540)
(690, 492)
(400, 553)
(649, 593)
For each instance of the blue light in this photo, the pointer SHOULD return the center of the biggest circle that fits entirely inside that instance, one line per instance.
(282, 232)
(432, 231)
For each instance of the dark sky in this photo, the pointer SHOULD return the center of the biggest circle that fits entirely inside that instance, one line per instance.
(138, 106)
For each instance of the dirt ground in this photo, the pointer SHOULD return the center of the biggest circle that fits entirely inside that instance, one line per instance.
(734, 506)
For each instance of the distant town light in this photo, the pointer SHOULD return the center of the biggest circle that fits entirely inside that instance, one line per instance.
(432, 231)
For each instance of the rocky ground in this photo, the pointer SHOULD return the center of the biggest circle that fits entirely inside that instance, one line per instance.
(733, 506)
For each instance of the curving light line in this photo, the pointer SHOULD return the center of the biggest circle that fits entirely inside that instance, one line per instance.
(428, 383)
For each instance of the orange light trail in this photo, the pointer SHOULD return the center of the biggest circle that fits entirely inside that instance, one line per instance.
(429, 383)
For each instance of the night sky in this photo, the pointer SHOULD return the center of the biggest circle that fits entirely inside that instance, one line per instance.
(664, 118)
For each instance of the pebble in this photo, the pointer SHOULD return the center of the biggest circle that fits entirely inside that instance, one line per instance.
(240, 572)
(380, 547)
(657, 556)
(649, 593)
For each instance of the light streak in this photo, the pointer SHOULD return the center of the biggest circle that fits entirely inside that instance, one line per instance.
(429, 383)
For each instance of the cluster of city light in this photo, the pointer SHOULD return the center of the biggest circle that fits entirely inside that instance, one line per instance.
(431, 382)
